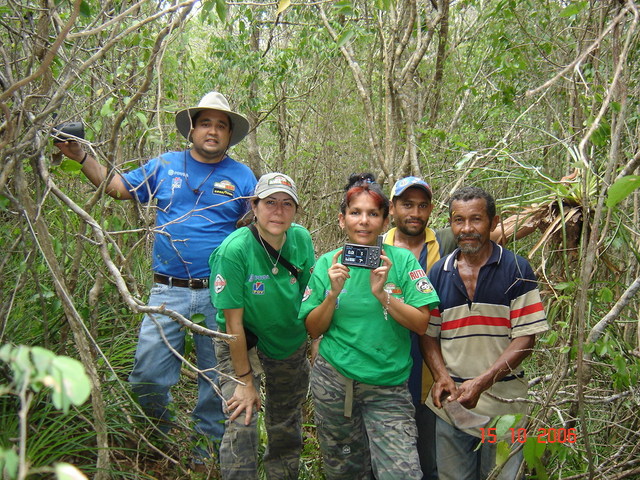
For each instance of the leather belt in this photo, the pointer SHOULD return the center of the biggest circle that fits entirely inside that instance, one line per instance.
(195, 283)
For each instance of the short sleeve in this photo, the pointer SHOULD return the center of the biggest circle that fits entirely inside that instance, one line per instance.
(418, 290)
(228, 283)
(314, 293)
(142, 182)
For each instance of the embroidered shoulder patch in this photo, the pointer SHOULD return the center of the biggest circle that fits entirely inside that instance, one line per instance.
(307, 294)
(416, 274)
(424, 285)
(219, 283)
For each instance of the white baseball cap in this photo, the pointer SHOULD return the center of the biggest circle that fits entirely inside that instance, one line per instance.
(275, 182)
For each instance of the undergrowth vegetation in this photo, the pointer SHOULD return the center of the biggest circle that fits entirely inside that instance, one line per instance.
(536, 101)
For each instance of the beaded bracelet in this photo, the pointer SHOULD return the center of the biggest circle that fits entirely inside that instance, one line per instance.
(385, 308)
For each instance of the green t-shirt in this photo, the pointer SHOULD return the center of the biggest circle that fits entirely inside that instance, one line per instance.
(241, 277)
(360, 343)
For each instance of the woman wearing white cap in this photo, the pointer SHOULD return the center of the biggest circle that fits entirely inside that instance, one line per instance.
(258, 277)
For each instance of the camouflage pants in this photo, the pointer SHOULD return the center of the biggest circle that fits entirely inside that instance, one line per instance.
(380, 435)
(286, 385)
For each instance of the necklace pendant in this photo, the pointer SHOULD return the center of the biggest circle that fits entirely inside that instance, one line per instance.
(274, 270)
(292, 280)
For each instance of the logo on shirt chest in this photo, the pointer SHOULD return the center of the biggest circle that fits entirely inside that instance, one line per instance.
(258, 288)
(225, 187)
(392, 289)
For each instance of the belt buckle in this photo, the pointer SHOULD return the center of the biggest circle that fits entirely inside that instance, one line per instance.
(197, 283)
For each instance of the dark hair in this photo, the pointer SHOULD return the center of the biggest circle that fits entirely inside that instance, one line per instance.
(364, 182)
(465, 194)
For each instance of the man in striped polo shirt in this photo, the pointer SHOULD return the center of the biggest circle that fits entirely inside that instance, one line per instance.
(490, 311)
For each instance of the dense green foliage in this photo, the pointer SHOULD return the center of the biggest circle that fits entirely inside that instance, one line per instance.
(510, 95)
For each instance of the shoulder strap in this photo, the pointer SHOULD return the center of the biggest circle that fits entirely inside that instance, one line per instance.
(272, 251)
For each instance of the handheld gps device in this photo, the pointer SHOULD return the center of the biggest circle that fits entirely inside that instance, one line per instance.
(366, 256)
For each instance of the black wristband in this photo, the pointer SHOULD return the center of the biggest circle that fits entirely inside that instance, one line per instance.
(86, 154)
(244, 375)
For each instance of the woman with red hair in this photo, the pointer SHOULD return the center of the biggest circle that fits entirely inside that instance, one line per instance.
(364, 413)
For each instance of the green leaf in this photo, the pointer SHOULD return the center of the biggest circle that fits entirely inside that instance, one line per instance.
(573, 9)
(9, 463)
(606, 295)
(70, 166)
(21, 363)
(466, 158)
(143, 119)
(85, 9)
(345, 37)
(66, 471)
(343, 7)
(4, 202)
(221, 9)
(550, 338)
(5, 352)
(188, 345)
(533, 450)
(622, 189)
(199, 319)
(283, 5)
(502, 452)
(564, 285)
(71, 385)
(42, 359)
(601, 134)
(504, 423)
(620, 363)
(107, 108)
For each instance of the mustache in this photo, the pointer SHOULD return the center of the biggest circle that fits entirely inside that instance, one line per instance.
(465, 236)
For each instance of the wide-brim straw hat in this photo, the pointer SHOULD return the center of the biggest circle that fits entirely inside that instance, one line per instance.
(213, 101)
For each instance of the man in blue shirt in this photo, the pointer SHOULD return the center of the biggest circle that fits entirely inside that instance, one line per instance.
(200, 194)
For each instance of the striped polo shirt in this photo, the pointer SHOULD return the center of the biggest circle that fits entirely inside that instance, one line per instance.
(474, 332)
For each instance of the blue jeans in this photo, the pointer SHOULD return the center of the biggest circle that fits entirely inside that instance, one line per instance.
(156, 369)
(458, 458)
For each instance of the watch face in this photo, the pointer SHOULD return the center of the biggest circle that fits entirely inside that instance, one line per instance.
(366, 256)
